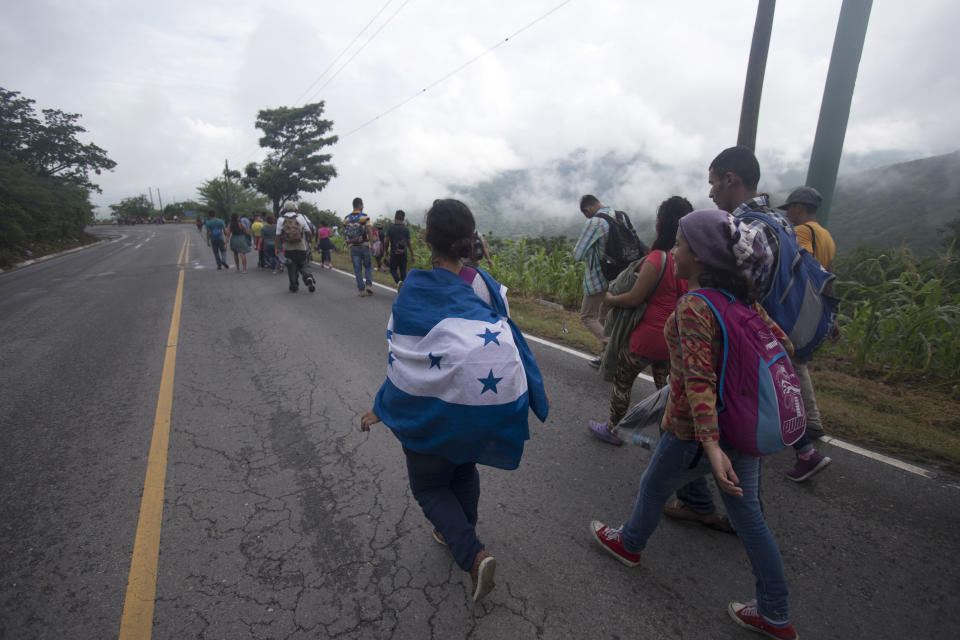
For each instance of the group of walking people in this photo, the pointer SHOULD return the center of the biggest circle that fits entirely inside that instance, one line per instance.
(461, 380)
(285, 243)
(456, 398)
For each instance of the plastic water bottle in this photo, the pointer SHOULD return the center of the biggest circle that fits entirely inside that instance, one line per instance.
(642, 439)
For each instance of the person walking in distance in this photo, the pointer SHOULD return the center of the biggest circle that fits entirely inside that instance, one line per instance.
(269, 237)
(292, 234)
(359, 238)
(324, 245)
(239, 241)
(256, 230)
(398, 247)
(378, 247)
(217, 239)
(589, 248)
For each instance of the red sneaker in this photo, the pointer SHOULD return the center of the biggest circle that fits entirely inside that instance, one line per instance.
(612, 541)
(748, 616)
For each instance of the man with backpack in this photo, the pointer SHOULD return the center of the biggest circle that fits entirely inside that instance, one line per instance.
(292, 233)
(589, 248)
(733, 177)
(608, 244)
(801, 207)
(397, 247)
(358, 236)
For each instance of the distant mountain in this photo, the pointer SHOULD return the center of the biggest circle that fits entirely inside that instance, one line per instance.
(899, 204)
(903, 203)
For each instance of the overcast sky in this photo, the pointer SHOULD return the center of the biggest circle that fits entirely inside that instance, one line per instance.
(171, 89)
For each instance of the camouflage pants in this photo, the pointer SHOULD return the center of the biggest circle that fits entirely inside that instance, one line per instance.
(629, 365)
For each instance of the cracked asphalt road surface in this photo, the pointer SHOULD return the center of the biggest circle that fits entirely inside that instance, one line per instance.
(282, 520)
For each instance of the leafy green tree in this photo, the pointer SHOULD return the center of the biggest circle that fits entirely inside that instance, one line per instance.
(294, 164)
(37, 212)
(242, 200)
(180, 209)
(317, 216)
(133, 207)
(49, 148)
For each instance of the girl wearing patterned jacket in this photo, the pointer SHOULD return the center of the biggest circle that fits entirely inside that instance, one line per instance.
(713, 250)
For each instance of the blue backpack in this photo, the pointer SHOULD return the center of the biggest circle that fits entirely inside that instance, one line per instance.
(759, 406)
(800, 295)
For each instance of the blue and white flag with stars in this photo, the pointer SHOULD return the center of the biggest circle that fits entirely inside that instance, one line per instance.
(460, 376)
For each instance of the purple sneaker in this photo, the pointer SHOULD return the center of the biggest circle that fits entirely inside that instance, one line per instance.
(803, 469)
(599, 429)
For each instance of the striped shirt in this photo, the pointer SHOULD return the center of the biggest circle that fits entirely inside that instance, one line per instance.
(590, 246)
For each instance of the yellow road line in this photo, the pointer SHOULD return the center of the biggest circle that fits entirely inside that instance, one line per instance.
(183, 248)
(138, 604)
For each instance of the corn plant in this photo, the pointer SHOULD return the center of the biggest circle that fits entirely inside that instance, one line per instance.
(897, 314)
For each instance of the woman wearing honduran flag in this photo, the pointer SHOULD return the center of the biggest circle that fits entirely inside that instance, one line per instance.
(460, 383)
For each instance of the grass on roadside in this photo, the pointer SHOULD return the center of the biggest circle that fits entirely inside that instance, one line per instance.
(919, 424)
(10, 257)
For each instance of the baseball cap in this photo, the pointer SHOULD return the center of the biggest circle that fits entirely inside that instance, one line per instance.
(803, 195)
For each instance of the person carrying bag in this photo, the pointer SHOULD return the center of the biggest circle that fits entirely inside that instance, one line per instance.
(654, 294)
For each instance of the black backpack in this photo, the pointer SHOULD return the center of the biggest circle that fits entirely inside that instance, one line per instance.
(623, 246)
(477, 247)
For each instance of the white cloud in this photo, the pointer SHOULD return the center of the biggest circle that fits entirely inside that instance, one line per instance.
(172, 89)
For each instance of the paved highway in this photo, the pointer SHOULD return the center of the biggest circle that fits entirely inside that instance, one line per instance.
(280, 519)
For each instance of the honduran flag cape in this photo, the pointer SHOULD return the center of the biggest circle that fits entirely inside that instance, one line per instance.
(460, 376)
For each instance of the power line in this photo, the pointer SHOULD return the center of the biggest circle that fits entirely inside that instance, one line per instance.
(357, 52)
(340, 55)
(347, 48)
(455, 71)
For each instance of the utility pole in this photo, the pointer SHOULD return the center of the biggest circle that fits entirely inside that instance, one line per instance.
(837, 97)
(226, 180)
(160, 200)
(750, 110)
(150, 191)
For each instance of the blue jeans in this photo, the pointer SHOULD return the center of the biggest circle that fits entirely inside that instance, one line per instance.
(448, 494)
(270, 256)
(219, 251)
(669, 469)
(361, 255)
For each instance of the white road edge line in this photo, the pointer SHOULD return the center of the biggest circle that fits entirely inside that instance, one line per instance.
(879, 457)
(905, 466)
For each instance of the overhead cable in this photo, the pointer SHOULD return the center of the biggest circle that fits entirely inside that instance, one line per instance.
(357, 52)
(455, 71)
(340, 55)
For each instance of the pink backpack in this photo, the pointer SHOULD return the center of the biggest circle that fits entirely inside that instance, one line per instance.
(759, 406)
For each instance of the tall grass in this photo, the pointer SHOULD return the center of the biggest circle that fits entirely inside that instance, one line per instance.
(901, 315)
(535, 272)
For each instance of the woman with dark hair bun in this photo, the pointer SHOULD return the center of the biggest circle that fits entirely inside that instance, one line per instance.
(460, 384)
